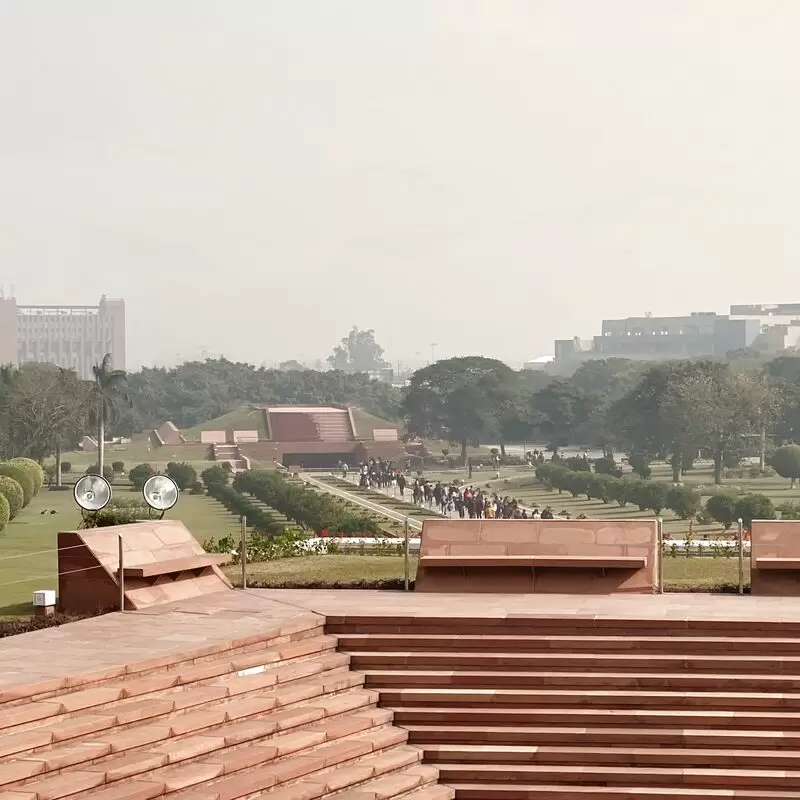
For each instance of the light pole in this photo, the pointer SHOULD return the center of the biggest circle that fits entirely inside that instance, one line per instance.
(433, 352)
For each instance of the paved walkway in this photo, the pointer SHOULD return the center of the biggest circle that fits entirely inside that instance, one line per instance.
(102, 647)
(111, 645)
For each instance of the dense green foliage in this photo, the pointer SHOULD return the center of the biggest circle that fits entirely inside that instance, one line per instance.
(308, 508)
(786, 462)
(13, 493)
(108, 471)
(215, 475)
(119, 511)
(197, 391)
(139, 474)
(182, 473)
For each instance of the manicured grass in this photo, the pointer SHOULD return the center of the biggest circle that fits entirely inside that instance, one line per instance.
(28, 560)
(312, 570)
(680, 574)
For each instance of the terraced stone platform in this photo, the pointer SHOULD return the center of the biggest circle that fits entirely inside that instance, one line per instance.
(373, 695)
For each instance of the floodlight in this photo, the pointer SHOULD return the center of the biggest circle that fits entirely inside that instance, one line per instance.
(92, 492)
(160, 493)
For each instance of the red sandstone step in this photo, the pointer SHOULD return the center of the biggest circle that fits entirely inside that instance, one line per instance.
(346, 762)
(714, 720)
(615, 756)
(508, 791)
(579, 681)
(193, 710)
(208, 725)
(566, 625)
(621, 776)
(179, 764)
(513, 643)
(577, 662)
(293, 631)
(610, 699)
(418, 782)
(422, 735)
(279, 661)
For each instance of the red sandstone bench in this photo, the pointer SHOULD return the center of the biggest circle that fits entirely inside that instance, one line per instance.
(564, 556)
(590, 562)
(174, 565)
(775, 558)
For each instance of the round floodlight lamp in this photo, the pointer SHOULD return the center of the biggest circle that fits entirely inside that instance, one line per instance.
(92, 492)
(160, 492)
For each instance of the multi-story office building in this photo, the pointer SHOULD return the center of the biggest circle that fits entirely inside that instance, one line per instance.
(74, 337)
(769, 328)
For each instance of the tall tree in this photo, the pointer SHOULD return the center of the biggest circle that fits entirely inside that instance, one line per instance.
(358, 352)
(108, 392)
(722, 406)
(653, 419)
(459, 399)
(559, 410)
(42, 408)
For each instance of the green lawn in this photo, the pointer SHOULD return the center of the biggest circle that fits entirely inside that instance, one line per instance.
(680, 574)
(27, 546)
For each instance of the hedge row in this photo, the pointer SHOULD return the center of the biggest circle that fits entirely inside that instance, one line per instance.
(308, 508)
(647, 495)
(258, 517)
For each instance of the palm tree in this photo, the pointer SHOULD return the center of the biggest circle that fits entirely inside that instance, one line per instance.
(107, 391)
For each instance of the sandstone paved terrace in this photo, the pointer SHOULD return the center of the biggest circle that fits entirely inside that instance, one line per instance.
(357, 695)
(108, 644)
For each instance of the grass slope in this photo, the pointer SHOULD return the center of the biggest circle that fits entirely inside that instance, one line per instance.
(244, 418)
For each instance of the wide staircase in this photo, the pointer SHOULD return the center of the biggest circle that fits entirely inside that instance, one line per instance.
(334, 426)
(569, 708)
(285, 717)
(231, 454)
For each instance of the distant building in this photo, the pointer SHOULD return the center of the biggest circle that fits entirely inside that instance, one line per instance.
(538, 364)
(769, 328)
(74, 337)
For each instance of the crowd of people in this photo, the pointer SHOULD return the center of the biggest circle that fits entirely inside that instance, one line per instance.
(448, 498)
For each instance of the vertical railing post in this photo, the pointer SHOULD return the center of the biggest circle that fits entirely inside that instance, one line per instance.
(121, 575)
(405, 553)
(243, 552)
(740, 529)
(660, 537)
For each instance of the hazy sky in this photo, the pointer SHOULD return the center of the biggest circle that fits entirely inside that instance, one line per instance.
(256, 176)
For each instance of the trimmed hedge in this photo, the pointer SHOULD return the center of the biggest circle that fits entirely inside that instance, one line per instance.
(647, 495)
(12, 491)
(261, 520)
(308, 508)
(22, 477)
(33, 468)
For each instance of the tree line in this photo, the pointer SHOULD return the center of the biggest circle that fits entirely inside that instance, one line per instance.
(671, 410)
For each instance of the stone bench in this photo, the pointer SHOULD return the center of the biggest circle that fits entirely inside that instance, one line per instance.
(529, 556)
(586, 562)
(775, 558)
(174, 565)
(162, 563)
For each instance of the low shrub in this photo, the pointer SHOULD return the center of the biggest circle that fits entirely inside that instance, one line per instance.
(66, 466)
(182, 473)
(108, 471)
(139, 474)
(118, 467)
